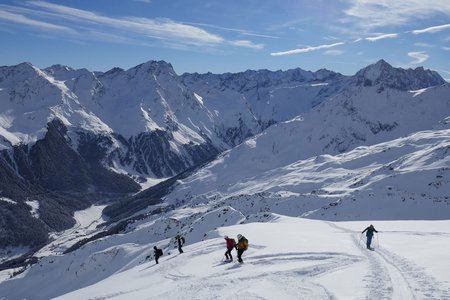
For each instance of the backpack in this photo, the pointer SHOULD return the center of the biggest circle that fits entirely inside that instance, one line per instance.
(159, 252)
(180, 239)
(231, 243)
(245, 243)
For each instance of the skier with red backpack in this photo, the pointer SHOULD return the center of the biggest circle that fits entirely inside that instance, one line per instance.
(230, 245)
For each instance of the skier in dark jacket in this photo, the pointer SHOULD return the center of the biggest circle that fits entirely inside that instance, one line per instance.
(158, 253)
(369, 234)
(241, 246)
(230, 245)
(180, 241)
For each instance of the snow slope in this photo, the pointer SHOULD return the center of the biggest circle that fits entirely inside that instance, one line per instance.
(405, 178)
(288, 258)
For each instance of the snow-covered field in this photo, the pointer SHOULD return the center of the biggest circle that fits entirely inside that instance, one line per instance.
(288, 258)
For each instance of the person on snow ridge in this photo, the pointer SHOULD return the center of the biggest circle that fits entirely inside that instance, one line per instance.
(369, 234)
(180, 240)
(241, 246)
(230, 245)
(158, 253)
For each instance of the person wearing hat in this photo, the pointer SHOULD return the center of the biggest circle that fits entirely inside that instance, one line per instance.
(241, 246)
(230, 245)
(369, 234)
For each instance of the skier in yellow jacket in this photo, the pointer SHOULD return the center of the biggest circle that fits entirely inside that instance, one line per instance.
(241, 246)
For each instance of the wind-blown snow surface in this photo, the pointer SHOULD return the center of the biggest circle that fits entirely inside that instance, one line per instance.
(288, 258)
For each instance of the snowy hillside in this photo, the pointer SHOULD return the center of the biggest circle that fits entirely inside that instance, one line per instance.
(288, 258)
(312, 165)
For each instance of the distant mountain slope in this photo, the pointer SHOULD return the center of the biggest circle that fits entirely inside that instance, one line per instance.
(346, 151)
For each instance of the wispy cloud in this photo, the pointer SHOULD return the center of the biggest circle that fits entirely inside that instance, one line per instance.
(446, 48)
(375, 14)
(334, 52)
(291, 25)
(36, 24)
(150, 27)
(380, 37)
(241, 31)
(247, 44)
(307, 49)
(87, 24)
(425, 45)
(432, 29)
(419, 57)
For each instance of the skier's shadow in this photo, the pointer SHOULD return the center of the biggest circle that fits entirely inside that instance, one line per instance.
(222, 263)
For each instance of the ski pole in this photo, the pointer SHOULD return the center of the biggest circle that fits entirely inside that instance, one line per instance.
(360, 238)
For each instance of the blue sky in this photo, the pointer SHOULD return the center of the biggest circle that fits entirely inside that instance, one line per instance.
(227, 35)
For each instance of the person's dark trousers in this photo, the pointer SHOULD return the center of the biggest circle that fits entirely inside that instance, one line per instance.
(179, 248)
(369, 241)
(228, 254)
(240, 251)
(156, 258)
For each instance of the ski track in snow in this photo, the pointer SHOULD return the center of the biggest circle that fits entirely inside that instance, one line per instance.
(395, 277)
(423, 285)
(294, 271)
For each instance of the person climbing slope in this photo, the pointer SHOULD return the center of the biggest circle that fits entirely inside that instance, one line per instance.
(230, 245)
(157, 253)
(369, 234)
(241, 246)
(180, 240)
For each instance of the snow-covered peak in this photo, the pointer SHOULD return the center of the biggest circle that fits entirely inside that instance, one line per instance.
(20, 72)
(62, 73)
(383, 74)
(324, 74)
(152, 67)
(376, 70)
(113, 72)
(58, 68)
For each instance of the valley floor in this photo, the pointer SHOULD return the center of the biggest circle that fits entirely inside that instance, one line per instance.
(288, 258)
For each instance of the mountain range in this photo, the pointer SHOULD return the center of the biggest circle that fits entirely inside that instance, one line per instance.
(319, 144)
